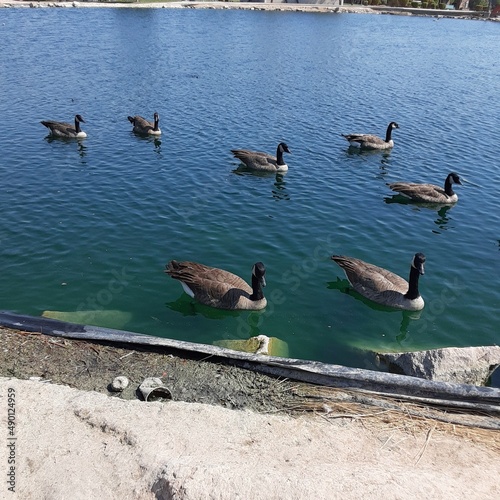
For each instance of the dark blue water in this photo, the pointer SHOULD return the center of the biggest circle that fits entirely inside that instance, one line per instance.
(90, 225)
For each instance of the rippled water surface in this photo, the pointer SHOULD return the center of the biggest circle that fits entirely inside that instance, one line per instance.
(90, 225)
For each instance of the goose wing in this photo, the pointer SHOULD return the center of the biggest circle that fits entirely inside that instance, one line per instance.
(141, 123)
(421, 192)
(365, 139)
(255, 158)
(62, 128)
(210, 285)
(368, 279)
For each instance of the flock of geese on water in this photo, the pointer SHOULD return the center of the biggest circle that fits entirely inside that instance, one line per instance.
(224, 290)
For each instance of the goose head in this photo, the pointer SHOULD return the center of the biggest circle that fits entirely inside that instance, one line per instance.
(418, 262)
(79, 119)
(283, 148)
(259, 272)
(454, 178)
(388, 133)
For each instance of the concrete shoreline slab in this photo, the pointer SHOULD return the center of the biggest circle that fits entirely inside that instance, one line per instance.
(402, 386)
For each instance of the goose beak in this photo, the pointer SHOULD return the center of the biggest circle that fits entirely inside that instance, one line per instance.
(421, 269)
(263, 281)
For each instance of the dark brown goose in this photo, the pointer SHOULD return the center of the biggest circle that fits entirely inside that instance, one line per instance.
(218, 288)
(368, 141)
(383, 286)
(429, 193)
(263, 162)
(145, 127)
(67, 130)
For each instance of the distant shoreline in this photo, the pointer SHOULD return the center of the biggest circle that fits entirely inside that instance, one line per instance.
(320, 8)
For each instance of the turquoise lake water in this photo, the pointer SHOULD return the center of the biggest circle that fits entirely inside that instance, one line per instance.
(90, 225)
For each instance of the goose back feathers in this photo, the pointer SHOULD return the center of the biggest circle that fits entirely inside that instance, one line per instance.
(66, 130)
(219, 288)
(263, 162)
(145, 127)
(429, 193)
(383, 286)
(368, 141)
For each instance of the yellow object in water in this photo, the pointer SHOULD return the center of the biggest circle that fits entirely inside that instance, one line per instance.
(105, 318)
(261, 344)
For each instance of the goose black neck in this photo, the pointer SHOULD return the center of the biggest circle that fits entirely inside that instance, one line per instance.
(388, 133)
(157, 121)
(448, 189)
(77, 126)
(257, 294)
(413, 292)
(279, 156)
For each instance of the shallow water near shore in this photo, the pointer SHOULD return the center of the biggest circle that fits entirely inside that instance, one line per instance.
(90, 225)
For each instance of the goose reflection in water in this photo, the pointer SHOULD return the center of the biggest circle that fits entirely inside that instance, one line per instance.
(80, 143)
(189, 307)
(279, 191)
(370, 154)
(154, 140)
(442, 220)
(367, 153)
(82, 149)
(403, 336)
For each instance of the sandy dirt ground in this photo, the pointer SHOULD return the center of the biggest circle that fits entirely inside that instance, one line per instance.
(84, 445)
(281, 442)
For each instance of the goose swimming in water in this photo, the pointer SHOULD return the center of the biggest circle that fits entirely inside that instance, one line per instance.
(145, 127)
(368, 141)
(218, 288)
(263, 162)
(383, 286)
(429, 193)
(62, 129)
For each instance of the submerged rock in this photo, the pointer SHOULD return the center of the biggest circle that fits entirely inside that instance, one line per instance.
(107, 318)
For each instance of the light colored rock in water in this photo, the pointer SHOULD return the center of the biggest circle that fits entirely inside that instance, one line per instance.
(106, 318)
(460, 365)
(261, 344)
